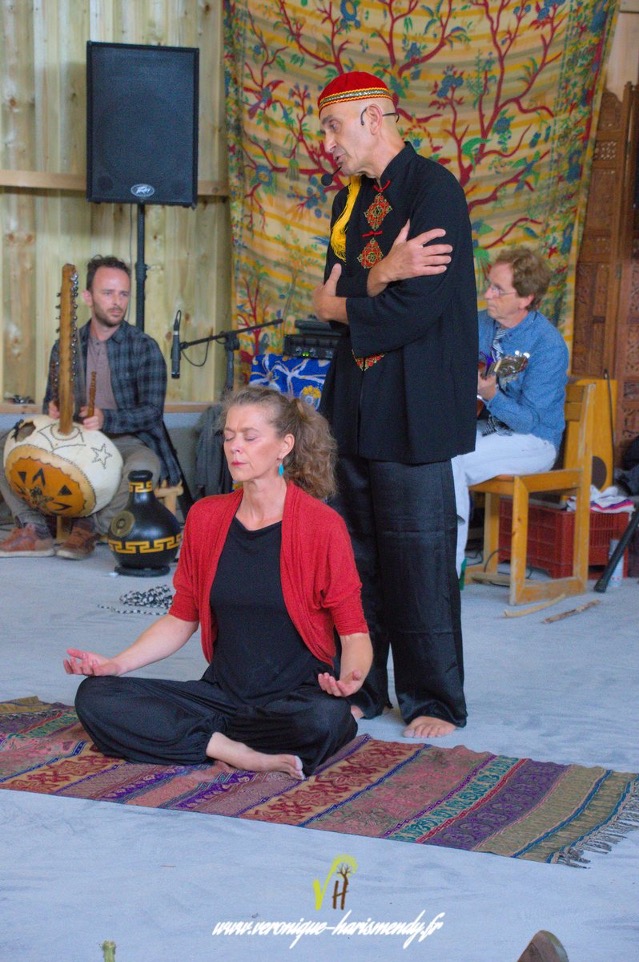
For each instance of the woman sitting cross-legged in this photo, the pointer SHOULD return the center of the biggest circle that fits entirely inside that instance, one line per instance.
(269, 575)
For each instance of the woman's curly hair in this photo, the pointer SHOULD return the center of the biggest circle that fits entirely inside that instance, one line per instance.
(311, 462)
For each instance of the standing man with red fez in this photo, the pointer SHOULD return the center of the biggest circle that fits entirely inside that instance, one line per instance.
(400, 394)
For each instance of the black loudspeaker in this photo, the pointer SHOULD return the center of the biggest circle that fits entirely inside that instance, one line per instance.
(142, 124)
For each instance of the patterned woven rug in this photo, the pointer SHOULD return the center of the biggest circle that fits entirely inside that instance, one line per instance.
(405, 792)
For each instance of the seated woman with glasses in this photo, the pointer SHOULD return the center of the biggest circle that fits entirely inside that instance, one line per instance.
(521, 382)
(268, 574)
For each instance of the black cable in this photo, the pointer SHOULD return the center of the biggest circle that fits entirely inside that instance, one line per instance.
(194, 363)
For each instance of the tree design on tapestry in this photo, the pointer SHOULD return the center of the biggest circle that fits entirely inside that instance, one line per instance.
(502, 93)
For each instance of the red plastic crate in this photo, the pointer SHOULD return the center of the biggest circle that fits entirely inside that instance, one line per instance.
(550, 537)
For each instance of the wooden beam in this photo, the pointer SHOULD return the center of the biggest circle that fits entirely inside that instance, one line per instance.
(76, 183)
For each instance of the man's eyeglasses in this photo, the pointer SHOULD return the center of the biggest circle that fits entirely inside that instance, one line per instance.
(391, 113)
(497, 291)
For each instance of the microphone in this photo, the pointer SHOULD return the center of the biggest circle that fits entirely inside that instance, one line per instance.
(327, 179)
(175, 346)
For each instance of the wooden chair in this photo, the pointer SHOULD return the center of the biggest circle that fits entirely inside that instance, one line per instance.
(168, 495)
(573, 478)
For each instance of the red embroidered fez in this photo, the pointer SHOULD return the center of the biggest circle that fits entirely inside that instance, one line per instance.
(357, 85)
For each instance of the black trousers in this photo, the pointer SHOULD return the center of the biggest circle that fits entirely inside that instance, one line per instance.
(403, 524)
(171, 722)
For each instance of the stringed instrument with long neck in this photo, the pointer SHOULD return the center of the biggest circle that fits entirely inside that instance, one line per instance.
(56, 465)
(68, 332)
(505, 368)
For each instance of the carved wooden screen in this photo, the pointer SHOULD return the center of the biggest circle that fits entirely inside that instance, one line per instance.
(628, 339)
(606, 329)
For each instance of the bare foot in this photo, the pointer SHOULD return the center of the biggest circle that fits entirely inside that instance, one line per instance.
(356, 712)
(239, 755)
(427, 726)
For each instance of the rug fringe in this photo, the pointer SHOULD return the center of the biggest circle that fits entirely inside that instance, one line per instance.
(602, 840)
(19, 705)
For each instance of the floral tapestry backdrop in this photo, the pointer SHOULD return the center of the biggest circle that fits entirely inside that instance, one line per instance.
(503, 92)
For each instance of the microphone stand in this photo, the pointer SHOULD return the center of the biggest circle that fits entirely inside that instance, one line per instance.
(231, 344)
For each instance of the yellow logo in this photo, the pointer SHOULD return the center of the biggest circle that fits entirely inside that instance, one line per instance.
(343, 866)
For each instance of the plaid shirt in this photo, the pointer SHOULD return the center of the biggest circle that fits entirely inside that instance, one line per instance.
(138, 379)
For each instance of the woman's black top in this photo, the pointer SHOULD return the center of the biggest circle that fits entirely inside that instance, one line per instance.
(258, 653)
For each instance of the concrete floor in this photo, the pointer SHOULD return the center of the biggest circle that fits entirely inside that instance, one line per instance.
(76, 873)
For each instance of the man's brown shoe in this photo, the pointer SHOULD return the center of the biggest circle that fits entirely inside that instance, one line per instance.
(544, 947)
(26, 542)
(80, 543)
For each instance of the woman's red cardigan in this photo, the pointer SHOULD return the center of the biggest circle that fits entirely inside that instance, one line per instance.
(320, 583)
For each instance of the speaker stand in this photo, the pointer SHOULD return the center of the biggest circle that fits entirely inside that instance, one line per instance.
(185, 499)
(140, 272)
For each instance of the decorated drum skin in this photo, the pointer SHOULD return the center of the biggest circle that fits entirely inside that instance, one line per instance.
(70, 475)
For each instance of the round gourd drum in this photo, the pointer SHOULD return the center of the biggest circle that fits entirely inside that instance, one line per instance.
(70, 475)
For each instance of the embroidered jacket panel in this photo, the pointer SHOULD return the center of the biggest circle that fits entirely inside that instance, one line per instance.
(417, 403)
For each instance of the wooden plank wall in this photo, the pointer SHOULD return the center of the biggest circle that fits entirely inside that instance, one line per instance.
(45, 219)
